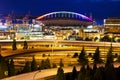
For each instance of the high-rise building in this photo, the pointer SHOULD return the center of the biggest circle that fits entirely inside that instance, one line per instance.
(112, 26)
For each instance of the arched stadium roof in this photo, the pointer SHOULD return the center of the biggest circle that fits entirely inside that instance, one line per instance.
(64, 14)
(64, 18)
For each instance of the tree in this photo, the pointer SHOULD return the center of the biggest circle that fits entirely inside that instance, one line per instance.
(109, 68)
(11, 68)
(68, 76)
(94, 68)
(47, 63)
(96, 56)
(60, 74)
(106, 38)
(75, 55)
(82, 59)
(109, 60)
(61, 63)
(88, 39)
(118, 73)
(27, 67)
(25, 45)
(110, 73)
(42, 65)
(74, 73)
(3, 67)
(82, 73)
(33, 64)
(96, 38)
(14, 45)
(54, 65)
(88, 73)
(97, 75)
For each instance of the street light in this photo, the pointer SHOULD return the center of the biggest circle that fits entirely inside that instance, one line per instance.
(36, 74)
(104, 39)
(53, 45)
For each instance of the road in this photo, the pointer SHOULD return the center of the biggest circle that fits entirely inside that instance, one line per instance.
(49, 45)
(5, 43)
(39, 75)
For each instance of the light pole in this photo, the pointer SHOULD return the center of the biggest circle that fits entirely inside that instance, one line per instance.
(104, 47)
(53, 45)
(104, 39)
(36, 74)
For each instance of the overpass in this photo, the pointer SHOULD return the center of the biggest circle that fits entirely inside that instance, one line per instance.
(56, 45)
(59, 42)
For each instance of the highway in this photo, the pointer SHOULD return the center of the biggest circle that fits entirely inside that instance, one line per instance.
(56, 45)
(39, 75)
(59, 42)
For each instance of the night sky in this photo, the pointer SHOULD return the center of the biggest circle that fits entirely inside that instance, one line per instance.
(99, 9)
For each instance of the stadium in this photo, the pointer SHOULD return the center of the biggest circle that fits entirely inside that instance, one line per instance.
(63, 24)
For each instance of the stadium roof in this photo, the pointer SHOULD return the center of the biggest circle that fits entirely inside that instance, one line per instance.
(64, 18)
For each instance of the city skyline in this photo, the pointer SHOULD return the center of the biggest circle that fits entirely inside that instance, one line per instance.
(59, 39)
(99, 9)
